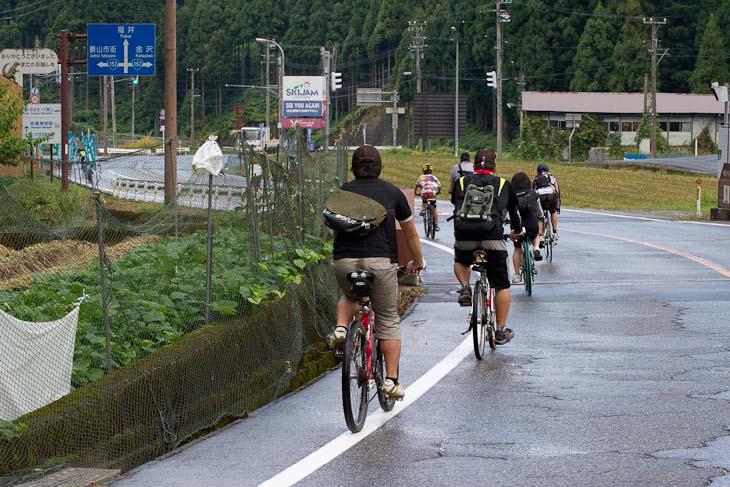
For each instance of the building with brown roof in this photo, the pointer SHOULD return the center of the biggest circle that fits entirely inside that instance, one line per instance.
(681, 116)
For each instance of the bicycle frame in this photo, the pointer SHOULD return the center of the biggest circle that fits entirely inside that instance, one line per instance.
(366, 316)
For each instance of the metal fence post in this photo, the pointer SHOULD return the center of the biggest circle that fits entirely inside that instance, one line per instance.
(102, 274)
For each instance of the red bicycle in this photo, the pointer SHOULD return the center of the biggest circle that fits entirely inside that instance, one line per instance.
(363, 365)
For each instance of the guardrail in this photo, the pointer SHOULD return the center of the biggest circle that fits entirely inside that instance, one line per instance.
(192, 195)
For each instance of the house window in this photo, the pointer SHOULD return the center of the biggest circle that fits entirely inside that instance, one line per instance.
(675, 126)
(629, 126)
(558, 124)
(614, 126)
(663, 126)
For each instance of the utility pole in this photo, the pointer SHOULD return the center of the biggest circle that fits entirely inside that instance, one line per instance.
(65, 61)
(418, 43)
(135, 81)
(192, 72)
(326, 65)
(268, 95)
(114, 114)
(456, 95)
(655, 23)
(502, 17)
(105, 115)
(170, 100)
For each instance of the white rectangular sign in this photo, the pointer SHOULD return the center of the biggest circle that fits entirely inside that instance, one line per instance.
(304, 96)
(28, 61)
(43, 120)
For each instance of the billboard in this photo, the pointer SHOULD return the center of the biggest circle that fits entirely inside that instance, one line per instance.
(433, 115)
(304, 97)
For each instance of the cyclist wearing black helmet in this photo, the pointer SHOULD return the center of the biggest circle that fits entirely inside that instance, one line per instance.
(547, 187)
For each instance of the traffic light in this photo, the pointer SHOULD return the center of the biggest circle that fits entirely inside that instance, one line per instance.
(335, 80)
(135, 80)
(492, 79)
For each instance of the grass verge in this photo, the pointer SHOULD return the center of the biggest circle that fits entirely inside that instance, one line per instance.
(607, 188)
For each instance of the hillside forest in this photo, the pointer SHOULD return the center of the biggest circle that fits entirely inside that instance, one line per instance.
(560, 45)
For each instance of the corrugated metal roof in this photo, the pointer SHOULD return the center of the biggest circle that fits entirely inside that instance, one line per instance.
(567, 102)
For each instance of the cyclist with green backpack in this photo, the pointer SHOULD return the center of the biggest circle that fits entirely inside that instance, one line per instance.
(481, 200)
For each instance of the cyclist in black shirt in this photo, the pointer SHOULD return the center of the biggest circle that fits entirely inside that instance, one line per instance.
(473, 235)
(377, 253)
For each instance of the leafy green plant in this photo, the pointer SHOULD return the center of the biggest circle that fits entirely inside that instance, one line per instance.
(591, 133)
(145, 313)
(10, 429)
(539, 141)
(615, 149)
(705, 144)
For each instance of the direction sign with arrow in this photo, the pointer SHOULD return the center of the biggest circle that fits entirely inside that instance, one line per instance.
(115, 49)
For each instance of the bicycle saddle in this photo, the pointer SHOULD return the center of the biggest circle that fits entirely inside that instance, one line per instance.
(361, 282)
(480, 256)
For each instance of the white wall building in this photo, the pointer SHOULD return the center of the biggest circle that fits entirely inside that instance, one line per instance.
(681, 116)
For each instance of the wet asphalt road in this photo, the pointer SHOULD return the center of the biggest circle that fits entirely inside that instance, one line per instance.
(619, 374)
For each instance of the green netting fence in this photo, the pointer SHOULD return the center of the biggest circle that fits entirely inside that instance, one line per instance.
(149, 371)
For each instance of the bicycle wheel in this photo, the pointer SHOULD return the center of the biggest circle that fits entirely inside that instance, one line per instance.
(478, 327)
(386, 404)
(527, 267)
(489, 319)
(354, 378)
(432, 219)
(548, 235)
(425, 221)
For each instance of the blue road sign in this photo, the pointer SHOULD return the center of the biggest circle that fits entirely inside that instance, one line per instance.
(118, 49)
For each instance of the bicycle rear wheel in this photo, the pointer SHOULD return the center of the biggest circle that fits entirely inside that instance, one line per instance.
(431, 226)
(548, 236)
(478, 327)
(489, 319)
(527, 267)
(425, 221)
(386, 404)
(354, 378)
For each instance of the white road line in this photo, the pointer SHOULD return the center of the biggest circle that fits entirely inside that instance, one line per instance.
(345, 441)
(616, 215)
(438, 246)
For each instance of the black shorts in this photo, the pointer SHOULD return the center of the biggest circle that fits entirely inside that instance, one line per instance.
(532, 229)
(549, 202)
(497, 272)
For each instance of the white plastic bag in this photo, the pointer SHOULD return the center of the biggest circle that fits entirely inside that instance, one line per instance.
(208, 158)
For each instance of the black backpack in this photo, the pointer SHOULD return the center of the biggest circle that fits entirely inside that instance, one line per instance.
(542, 180)
(352, 213)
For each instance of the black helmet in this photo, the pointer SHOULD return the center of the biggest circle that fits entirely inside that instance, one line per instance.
(542, 167)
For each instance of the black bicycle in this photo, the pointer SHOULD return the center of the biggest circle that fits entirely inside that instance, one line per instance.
(429, 222)
(482, 319)
(361, 372)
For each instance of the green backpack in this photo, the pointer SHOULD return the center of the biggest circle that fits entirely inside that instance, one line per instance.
(479, 202)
